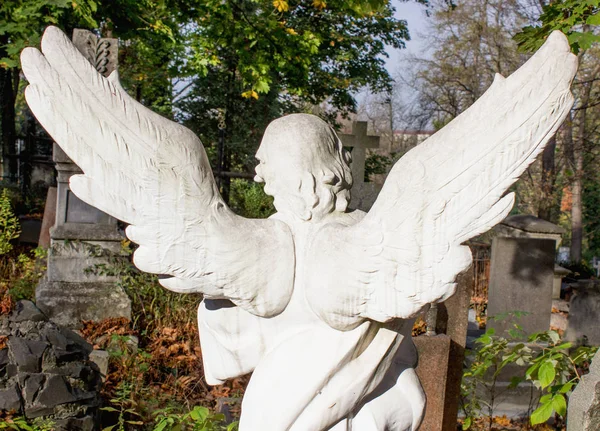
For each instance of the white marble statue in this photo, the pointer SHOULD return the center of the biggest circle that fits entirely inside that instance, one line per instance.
(318, 300)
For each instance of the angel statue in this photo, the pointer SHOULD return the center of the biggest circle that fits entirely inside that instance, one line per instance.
(317, 301)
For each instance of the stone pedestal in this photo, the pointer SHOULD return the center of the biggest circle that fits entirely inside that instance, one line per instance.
(432, 370)
(82, 237)
(521, 279)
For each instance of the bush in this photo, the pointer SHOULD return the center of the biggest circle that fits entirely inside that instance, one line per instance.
(248, 199)
(9, 223)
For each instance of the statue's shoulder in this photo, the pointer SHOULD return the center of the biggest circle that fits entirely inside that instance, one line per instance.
(348, 218)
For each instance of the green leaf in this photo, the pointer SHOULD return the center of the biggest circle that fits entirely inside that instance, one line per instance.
(109, 409)
(593, 19)
(559, 404)
(199, 413)
(554, 336)
(542, 413)
(467, 424)
(546, 374)
(566, 387)
(514, 382)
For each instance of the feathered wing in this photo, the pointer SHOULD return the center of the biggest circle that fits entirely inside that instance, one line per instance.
(154, 174)
(407, 252)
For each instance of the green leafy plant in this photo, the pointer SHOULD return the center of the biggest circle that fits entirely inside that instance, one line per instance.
(9, 223)
(555, 370)
(492, 354)
(198, 419)
(248, 199)
(29, 269)
(22, 424)
(124, 406)
(376, 164)
(552, 368)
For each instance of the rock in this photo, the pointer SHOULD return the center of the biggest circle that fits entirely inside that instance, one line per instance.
(30, 384)
(27, 311)
(55, 337)
(27, 354)
(45, 371)
(4, 358)
(100, 358)
(85, 423)
(56, 391)
(10, 399)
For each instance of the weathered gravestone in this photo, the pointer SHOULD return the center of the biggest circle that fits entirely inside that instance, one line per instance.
(363, 194)
(583, 322)
(584, 402)
(521, 279)
(82, 236)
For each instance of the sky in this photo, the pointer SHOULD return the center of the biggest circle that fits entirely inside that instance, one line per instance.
(414, 14)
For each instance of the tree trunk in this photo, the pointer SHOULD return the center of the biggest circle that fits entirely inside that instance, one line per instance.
(548, 201)
(576, 159)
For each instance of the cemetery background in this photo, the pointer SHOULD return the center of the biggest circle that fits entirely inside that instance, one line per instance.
(149, 381)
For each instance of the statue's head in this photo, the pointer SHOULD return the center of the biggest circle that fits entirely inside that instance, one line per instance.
(304, 167)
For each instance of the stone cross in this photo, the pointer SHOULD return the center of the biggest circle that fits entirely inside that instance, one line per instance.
(363, 194)
(82, 234)
(359, 141)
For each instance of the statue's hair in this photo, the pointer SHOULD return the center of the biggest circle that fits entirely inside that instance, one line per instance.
(326, 176)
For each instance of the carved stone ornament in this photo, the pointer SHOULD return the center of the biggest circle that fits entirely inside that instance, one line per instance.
(317, 301)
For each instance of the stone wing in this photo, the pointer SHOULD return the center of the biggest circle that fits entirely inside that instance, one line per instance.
(154, 174)
(407, 251)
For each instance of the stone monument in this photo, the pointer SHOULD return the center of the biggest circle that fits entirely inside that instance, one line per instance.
(523, 273)
(82, 235)
(317, 301)
(521, 279)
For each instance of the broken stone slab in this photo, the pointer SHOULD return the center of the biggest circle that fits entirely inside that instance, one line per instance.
(10, 398)
(27, 354)
(27, 311)
(68, 303)
(45, 371)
